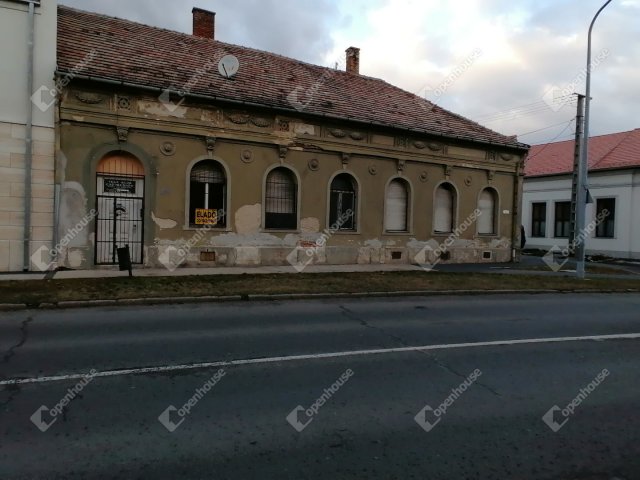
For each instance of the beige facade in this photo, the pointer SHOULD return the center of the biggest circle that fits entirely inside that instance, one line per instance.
(15, 99)
(128, 126)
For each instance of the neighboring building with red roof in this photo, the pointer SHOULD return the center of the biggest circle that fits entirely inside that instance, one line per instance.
(197, 152)
(614, 184)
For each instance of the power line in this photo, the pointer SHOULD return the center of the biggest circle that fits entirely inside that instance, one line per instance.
(525, 110)
(555, 139)
(545, 128)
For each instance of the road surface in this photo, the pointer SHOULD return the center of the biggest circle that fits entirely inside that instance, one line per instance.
(399, 388)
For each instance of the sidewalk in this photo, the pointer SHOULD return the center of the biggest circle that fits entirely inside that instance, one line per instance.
(627, 271)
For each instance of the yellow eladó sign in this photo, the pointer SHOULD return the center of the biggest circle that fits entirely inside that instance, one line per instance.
(206, 217)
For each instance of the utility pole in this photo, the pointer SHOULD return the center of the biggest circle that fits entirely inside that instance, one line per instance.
(584, 162)
(573, 241)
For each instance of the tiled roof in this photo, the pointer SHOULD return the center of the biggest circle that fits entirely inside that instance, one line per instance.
(154, 57)
(617, 150)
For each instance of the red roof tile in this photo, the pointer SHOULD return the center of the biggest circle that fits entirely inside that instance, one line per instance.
(617, 150)
(154, 57)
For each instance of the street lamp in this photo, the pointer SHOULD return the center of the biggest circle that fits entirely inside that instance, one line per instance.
(583, 166)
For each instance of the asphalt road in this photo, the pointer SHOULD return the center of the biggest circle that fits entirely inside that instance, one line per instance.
(368, 414)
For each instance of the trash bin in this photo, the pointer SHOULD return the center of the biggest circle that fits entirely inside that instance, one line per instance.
(124, 259)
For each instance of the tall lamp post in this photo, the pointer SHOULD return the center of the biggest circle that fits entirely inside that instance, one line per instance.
(584, 163)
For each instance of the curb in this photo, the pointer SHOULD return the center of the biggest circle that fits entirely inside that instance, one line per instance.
(8, 307)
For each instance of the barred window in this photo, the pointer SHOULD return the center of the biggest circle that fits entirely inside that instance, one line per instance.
(281, 200)
(342, 208)
(208, 191)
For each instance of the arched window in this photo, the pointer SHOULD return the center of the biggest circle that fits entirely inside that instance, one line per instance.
(208, 194)
(281, 196)
(487, 204)
(342, 203)
(396, 218)
(444, 209)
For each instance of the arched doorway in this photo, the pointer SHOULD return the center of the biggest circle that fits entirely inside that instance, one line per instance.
(120, 207)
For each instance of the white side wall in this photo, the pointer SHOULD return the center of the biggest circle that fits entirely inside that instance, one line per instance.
(14, 102)
(623, 185)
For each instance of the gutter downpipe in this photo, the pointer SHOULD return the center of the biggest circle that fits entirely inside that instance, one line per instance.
(29, 143)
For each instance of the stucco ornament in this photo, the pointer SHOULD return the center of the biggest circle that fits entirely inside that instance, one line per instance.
(167, 148)
(246, 156)
(314, 164)
(373, 170)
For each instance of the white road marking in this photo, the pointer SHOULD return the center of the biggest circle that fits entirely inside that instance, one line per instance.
(315, 356)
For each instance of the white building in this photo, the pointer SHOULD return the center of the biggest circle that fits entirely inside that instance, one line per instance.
(614, 184)
(17, 112)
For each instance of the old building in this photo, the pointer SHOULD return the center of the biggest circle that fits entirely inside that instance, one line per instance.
(197, 152)
(614, 185)
(27, 118)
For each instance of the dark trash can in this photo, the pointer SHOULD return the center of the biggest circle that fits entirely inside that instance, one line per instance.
(124, 259)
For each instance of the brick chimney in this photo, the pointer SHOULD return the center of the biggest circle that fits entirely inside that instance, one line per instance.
(353, 60)
(204, 23)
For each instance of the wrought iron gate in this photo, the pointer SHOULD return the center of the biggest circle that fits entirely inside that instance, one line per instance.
(120, 222)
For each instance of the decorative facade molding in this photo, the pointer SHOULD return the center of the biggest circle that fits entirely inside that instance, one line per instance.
(168, 148)
(238, 118)
(90, 98)
(314, 164)
(123, 134)
(260, 122)
(211, 144)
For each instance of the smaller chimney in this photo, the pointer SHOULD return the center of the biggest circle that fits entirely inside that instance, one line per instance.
(204, 23)
(353, 60)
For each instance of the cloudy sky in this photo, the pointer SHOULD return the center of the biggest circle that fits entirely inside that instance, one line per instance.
(510, 65)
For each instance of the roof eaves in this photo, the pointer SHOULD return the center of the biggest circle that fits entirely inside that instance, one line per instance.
(212, 98)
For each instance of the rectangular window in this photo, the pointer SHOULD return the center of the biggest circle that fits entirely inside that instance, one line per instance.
(539, 220)
(562, 220)
(606, 217)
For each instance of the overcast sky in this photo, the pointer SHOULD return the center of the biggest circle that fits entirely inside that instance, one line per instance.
(499, 62)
